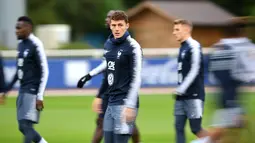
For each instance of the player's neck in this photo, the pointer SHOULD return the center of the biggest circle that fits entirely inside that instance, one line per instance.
(185, 38)
(27, 36)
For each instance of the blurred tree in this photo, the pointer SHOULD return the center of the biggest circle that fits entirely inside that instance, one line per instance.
(237, 7)
(42, 11)
(253, 11)
(131, 3)
(85, 16)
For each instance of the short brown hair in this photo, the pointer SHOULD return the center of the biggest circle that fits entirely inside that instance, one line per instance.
(119, 15)
(183, 22)
(235, 27)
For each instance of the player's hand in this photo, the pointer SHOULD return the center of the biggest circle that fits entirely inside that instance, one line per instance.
(97, 105)
(83, 80)
(39, 105)
(176, 93)
(2, 98)
(129, 114)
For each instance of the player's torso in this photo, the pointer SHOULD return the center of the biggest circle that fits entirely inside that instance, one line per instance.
(28, 68)
(196, 89)
(118, 72)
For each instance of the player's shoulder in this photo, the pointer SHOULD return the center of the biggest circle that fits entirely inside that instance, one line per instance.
(107, 44)
(35, 40)
(133, 43)
(193, 43)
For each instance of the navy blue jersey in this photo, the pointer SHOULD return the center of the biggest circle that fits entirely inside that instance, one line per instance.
(123, 64)
(190, 71)
(102, 90)
(2, 79)
(32, 67)
(231, 64)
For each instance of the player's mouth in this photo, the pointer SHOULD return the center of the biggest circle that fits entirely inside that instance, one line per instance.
(117, 34)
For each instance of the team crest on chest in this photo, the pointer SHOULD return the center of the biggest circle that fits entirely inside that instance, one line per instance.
(183, 54)
(119, 53)
(25, 53)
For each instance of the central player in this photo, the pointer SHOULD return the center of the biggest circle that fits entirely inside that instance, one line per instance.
(122, 66)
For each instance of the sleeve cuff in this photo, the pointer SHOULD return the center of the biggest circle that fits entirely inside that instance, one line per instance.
(179, 91)
(40, 97)
(130, 105)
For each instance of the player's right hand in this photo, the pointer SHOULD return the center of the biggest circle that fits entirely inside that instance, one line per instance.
(83, 80)
(39, 105)
(97, 105)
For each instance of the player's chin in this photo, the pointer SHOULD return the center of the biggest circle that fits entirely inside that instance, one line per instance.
(19, 37)
(118, 35)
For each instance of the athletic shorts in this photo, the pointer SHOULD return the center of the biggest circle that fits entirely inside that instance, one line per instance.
(192, 108)
(26, 107)
(113, 121)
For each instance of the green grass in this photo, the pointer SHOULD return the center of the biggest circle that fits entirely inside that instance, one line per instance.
(70, 119)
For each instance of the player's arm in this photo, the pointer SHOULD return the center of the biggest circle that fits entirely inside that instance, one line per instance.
(43, 63)
(2, 79)
(132, 96)
(136, 64)
(99, 69)
(243, 68)
(194, 71)
(11, 84)
(103, 86)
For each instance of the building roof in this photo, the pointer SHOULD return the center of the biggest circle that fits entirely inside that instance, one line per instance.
(198, 12)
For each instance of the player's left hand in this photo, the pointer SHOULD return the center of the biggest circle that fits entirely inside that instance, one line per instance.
(39, 105)
(129, 114)
(175, 94)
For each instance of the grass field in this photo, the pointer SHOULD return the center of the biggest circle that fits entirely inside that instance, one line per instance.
(70, 119)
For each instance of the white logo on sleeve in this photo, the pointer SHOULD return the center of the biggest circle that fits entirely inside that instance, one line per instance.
(110, 79)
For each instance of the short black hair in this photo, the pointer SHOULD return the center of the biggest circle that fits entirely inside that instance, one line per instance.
(26, 19)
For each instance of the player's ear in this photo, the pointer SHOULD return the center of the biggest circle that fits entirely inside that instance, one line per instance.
(127, 26)
(110, 26)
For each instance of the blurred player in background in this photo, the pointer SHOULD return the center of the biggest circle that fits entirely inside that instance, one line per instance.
(232, 64)
(190, 93)
(2, 79)
(98, 135)
(32, 73)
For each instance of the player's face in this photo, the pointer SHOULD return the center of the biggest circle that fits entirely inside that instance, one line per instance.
(107, 19)
(180, 32)
(118, 28)
(22, 30)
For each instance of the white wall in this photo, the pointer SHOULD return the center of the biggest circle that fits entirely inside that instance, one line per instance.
(10, 10)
